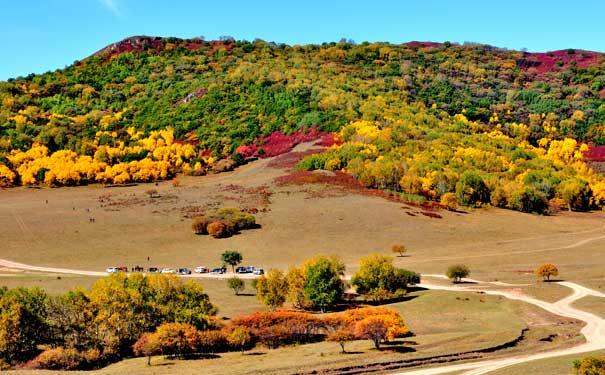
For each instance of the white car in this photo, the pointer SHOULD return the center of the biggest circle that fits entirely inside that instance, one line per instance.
(168, 270)
(112, 269)
(201, 269)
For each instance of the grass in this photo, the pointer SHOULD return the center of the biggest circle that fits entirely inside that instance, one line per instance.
(557, 365)
(591, 304)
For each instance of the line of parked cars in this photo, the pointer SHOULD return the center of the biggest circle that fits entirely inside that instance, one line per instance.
(187, 271)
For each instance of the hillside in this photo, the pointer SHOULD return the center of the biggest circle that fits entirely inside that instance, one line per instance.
(147, 108)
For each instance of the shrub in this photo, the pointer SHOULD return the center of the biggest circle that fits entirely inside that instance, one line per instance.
(213, 341)
(457, 272)
(199, 225)
(57, 359)
(449, 201)
(589, 366)
(217, 229)
(240, 338)
(236, 284)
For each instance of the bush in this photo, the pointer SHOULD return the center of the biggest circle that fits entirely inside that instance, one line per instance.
(199, 225)
(236, 284)
(589, 366)
(57, 359)
(213, 342)
(217, 229)
(231, 221)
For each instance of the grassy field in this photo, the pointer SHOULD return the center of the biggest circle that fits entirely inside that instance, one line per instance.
(592, 304)
(52, 227)
(130, 227)
(558, 365)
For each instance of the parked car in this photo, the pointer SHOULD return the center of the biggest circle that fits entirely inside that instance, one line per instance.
(184, 271)
(259, 271)
(218, 270)
(153, 270)
(244, 269)
(123, 269)
(112, 269)
(201, 269)
(168, 270)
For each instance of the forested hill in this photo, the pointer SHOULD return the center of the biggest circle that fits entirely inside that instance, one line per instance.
(148, 107)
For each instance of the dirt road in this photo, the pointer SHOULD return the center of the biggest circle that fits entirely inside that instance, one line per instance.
(27, 267)
(594, 331)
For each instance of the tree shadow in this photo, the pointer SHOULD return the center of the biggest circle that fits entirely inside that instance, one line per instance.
(553, 280)
(351, 352)
(463, 282)
(256, 353)
(398, 348)
(246, 294)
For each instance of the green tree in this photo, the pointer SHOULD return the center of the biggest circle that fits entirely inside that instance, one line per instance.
(457, 272)
(377, 278)
(471, 189)
(575, 193)
(231, 258)
(323, 286)
(236, 284)
(272, 288)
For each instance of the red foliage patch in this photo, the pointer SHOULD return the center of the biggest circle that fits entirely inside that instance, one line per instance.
(595, 154)
(278, 143)
(548, 61)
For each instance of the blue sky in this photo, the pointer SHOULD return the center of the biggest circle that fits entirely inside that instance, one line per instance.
(41, 35)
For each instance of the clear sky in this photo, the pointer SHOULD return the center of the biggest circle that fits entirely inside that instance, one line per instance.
(41, 35)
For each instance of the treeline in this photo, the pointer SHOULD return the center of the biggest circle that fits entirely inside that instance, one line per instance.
(90, 329)
(219, 96)
(136, 315)
(318, 283)
(428, 154)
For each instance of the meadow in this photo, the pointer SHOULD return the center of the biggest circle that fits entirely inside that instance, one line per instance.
(52, 227)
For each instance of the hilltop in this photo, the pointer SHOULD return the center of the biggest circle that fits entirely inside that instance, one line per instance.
(147, 108)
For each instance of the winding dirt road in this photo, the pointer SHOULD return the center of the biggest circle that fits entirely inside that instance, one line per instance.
(594, 331)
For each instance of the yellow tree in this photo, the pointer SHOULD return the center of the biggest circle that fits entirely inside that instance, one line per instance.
(546, 271)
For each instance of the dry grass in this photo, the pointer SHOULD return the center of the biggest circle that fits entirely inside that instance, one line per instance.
(591, 304)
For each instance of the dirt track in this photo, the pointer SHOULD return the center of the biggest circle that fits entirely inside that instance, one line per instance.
(594, 331)
(27, 267)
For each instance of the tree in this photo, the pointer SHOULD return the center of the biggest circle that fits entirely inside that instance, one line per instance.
(379, 279)
(457, 272)
(296, 293)
(341, 336)
(272, 288)
(546, 271)
(374, 328)
(236, 284)
(232, 258)
(399, 249)
(23, 324)
(590, 366)
(323, 286)
(147, 346)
